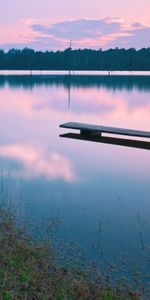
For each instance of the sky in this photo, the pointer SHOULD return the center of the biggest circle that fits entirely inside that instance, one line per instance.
(51, 25)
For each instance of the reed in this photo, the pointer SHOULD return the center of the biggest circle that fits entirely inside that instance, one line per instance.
(28, 270)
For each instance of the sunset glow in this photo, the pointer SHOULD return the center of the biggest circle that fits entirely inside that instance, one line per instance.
(45, 25)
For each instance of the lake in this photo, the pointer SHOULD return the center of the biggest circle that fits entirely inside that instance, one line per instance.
(98, 193)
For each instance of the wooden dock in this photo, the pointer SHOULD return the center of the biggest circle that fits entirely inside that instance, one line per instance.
(93, 133)
(96, 129)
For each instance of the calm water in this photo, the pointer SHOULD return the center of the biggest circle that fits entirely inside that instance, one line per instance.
(100, 193)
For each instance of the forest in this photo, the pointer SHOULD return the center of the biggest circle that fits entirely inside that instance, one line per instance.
(80, 59)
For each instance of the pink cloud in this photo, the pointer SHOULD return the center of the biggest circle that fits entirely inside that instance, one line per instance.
(85, 33)
(18, 32)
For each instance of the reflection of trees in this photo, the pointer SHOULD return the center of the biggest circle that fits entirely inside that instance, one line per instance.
(81, 81)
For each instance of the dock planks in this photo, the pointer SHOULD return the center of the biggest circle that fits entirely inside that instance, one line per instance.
(88, 129)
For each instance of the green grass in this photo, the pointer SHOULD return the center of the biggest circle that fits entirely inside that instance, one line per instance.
(28, 271)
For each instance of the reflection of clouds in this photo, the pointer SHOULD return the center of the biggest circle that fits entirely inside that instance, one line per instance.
(37, 162)
(43, 109)
(97, 100)
(28, 104)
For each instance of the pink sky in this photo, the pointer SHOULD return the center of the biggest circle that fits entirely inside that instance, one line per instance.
(45, 24)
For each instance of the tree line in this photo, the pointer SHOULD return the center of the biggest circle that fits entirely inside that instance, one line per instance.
(85, 59)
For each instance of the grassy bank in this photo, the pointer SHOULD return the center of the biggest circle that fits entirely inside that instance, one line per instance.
(28, 271)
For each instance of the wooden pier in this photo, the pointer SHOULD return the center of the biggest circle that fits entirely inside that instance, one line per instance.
(96, 129)
(94, 133)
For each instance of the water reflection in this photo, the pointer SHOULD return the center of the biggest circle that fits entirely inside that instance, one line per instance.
(91, 96)
(84, 184)
(35, 162)
(110, 82)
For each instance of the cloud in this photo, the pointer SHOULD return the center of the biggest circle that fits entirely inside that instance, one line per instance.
(137, 25)
(79, 29)
(138, 38)
(38, 162)
(85, 33)
(105, 33)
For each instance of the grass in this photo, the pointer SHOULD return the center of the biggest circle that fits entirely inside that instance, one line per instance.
(28, 271)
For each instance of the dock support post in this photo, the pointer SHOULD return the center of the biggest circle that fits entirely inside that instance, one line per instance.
(87, 133)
